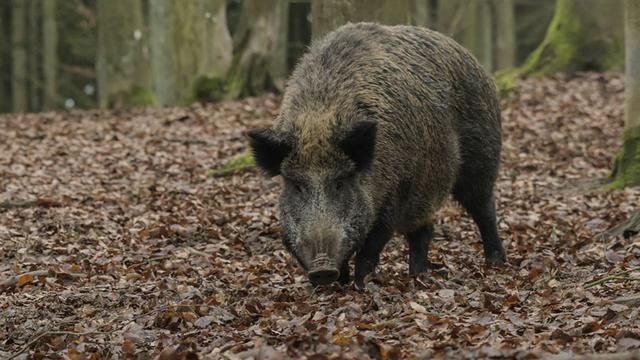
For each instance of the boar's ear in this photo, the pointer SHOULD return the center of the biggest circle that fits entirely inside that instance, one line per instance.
(359, 144)
(269, 149)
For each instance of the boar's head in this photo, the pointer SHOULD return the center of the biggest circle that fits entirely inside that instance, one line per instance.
(326, 206)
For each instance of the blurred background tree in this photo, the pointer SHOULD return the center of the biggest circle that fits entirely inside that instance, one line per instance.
(583, 35)
(327, 15)
(122, 53)
(626, 171)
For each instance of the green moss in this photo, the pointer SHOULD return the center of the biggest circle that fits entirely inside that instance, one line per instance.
(135, 97)
(613, 58)
(506, 80)
(233, 87)
(141, 97)
(235, 78)
(238, 83)
(626, 170)
(239, 163)
(209, 89)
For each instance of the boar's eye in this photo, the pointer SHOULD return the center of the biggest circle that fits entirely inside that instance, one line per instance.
(339, 184)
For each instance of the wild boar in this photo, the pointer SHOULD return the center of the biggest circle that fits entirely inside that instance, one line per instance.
(378, 125)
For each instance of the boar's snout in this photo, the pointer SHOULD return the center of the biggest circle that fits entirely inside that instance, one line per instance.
(323, 270)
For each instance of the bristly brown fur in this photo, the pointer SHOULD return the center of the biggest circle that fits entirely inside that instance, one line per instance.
(425, 90)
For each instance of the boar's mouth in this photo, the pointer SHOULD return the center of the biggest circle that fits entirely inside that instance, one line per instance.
(323, 270)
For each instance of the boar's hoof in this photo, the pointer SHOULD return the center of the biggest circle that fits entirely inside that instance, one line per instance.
(496, 258)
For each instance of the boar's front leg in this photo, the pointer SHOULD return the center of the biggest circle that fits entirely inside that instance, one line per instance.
(369, 255)
(419, 241)
(345, 277)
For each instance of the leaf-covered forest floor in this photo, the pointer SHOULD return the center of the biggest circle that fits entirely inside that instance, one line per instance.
(118, 241)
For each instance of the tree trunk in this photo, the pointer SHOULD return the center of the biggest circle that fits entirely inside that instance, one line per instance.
(217, 50)
(259, 46)
(470, 23)
(627, 163)
(122, 55)
(49, 53)
(449, 16)
(420, 13)
(583, 35)
(191, 49)
(4, 56)
(532, 21)
(299, 34)
(33, 51)
(330, 14)
(483, 49)
(505, 25)
(19, 57)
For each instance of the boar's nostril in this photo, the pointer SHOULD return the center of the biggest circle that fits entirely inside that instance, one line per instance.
(323, 276)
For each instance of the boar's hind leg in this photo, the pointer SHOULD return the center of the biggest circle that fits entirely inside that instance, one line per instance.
(480, 204)
(369, 255)
(419, 241)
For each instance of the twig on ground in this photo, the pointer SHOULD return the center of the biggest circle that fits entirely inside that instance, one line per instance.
(626, 278)
(417, 279)
(616, 276)
(628, 300)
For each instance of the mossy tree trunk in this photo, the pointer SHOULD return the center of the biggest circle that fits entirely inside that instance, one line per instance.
(122, 68)
(49, 53)
(191, 49)
(627, 163)
(330, 14)
(583, 35)
(532, 19)
(259, 49)
(217, 48)
(19, 56)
